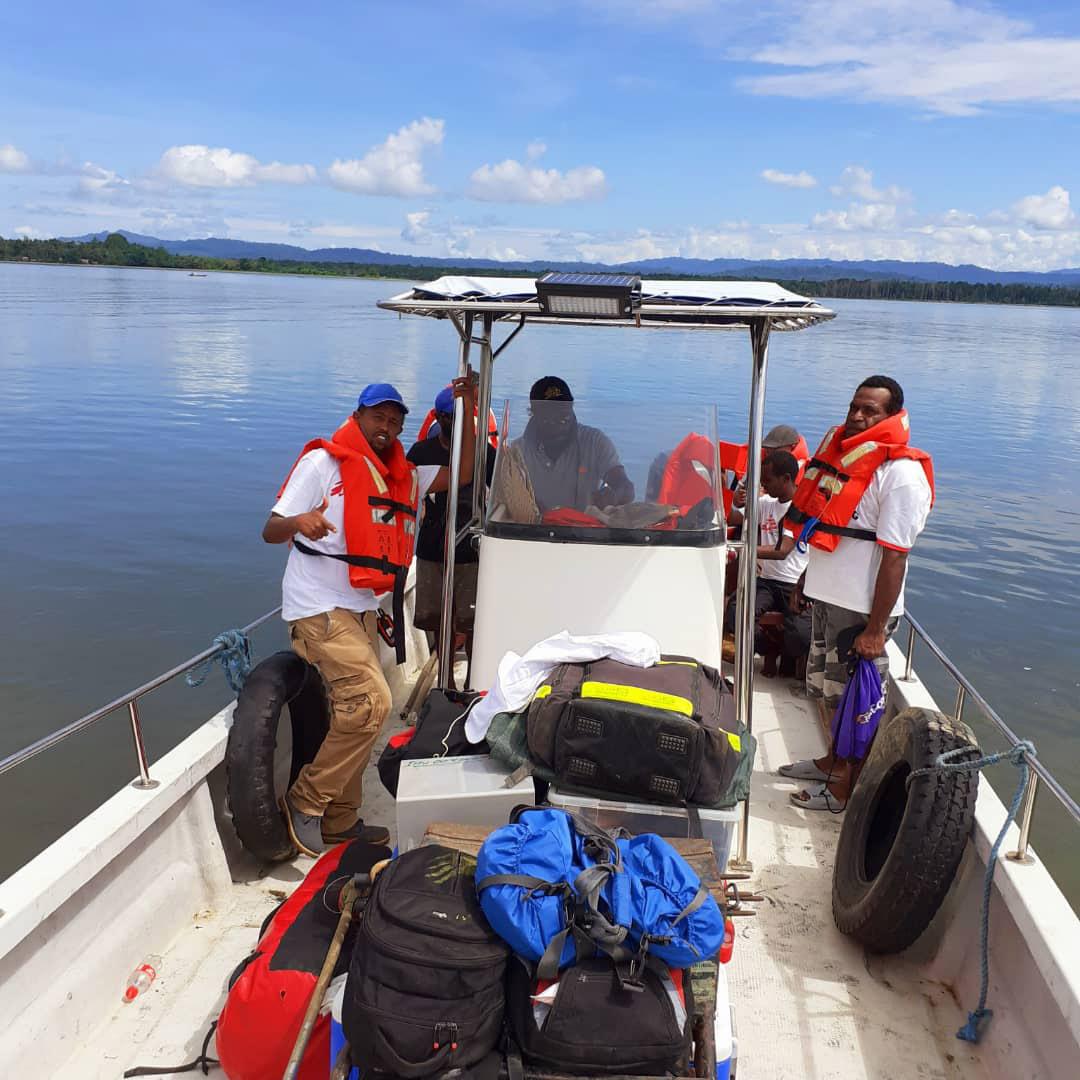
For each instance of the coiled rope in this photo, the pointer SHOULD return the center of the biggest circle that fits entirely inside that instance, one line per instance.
(980, 1016)
(234, 656)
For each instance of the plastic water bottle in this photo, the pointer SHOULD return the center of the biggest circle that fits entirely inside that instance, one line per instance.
(139, 981)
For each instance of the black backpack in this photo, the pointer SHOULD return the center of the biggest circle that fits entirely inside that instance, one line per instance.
(440, 732)
(663, 734)
(426, 986)
(596, 1026)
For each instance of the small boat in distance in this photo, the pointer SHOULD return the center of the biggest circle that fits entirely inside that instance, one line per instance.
(197, 273)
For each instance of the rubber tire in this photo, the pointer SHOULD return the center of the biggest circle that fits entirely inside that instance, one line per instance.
(900, 847)
(280, 680)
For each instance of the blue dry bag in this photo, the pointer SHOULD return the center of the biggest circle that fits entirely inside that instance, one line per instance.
(559, 890)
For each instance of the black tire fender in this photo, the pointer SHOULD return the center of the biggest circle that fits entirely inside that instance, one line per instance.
(900, 844)
(281, 680)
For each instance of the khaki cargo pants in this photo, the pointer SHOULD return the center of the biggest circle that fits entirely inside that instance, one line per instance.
(343, 646)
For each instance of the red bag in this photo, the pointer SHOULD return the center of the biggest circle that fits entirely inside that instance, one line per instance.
(269, 992)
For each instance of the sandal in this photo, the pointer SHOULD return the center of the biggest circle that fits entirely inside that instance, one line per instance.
(818, 799)
(802, 770)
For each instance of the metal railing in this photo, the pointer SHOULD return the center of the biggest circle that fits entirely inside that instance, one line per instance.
(964, 692)
(131, 701)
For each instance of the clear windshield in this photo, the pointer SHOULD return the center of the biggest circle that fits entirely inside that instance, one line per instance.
(629, 478)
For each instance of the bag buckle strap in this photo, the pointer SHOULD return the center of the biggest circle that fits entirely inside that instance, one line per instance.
(445, 1032)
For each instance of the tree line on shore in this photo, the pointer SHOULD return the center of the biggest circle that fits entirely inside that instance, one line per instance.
(116, 250)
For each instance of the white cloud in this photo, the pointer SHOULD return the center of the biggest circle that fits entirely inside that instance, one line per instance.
(511, 181)
(858, 183)
(95, 180)
(27, 232)
(866, 216)
(200, 166)
(415, 230)
(13, 160)
(394, 167)
(951, 57)
(801, 179)
(1049, 211)
(535, 149)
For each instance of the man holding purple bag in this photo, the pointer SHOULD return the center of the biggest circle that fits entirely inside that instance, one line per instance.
(861, 505)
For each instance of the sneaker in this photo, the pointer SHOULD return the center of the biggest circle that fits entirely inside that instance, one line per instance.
(366, 834)
(305, 830)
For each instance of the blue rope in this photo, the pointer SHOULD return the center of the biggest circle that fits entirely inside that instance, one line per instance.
(808, 530)
(972, 1030)
(234, 656)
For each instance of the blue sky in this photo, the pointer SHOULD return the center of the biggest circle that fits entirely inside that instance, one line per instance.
(599, 129)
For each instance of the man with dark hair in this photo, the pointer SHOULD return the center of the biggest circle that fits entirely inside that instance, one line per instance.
(883, 382)
(779, 562)
(861, 505)
(348, 512)
(431, 538)
(570, 465)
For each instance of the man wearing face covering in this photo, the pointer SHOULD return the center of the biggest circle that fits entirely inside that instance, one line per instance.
(570, 465)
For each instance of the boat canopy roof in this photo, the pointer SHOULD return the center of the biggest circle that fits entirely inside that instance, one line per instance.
(700, 304)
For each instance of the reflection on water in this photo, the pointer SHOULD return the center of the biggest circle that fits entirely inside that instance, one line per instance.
(211, 365)
(150, 417)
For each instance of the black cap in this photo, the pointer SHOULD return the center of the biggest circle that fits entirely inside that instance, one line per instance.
(550, 388)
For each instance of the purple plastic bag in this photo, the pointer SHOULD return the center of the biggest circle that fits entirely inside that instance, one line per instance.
(859, 712)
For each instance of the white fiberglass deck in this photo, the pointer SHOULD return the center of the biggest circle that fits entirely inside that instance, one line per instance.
(809, 1003)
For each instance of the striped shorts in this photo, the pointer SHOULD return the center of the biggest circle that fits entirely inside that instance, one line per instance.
(826, 669)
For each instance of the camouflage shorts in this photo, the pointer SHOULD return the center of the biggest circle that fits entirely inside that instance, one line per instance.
(826, 670)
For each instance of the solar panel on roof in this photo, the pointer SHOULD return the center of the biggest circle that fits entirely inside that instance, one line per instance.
(562, 277)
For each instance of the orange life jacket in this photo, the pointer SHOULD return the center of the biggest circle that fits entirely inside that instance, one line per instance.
(381, 500)
(493, 427)
(688, 474)
(839, 473)
(733, 457)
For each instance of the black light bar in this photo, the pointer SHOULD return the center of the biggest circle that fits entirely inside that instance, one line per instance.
(588, 296)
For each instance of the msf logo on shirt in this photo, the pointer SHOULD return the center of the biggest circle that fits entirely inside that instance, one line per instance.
(338, 488)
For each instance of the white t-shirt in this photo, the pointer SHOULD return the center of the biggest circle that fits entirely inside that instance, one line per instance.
(312, 585)
(770, 513)
(895, 506)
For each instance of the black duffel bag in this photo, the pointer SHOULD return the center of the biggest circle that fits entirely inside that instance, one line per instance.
(426, 988)
(665, 734)
(439, 732)
(596, 1026)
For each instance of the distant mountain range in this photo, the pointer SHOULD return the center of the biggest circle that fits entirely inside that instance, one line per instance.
(786, 269)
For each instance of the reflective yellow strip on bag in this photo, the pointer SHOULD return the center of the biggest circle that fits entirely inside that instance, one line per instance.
(681, 663)
(636, 695)
(543, 692)
(736, 742)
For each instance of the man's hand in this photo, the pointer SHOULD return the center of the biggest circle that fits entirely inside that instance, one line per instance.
(603, 498)
(797, 603)
(870, 644)
(739, 497)
(313, 525)
(465, 387)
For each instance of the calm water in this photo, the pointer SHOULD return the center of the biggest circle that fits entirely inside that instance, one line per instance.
(149, 417)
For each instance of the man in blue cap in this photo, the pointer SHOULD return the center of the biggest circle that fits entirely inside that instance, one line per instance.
(430, 542)
(348, 509)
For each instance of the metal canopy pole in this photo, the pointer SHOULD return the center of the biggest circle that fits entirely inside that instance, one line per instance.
(747, 587)
(483, 407)
(446, 622)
